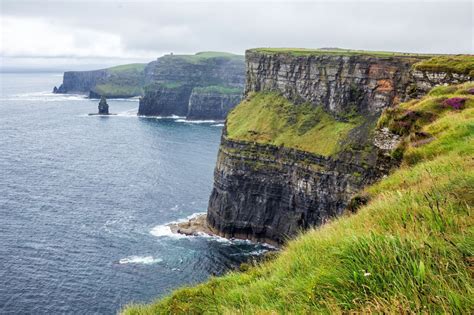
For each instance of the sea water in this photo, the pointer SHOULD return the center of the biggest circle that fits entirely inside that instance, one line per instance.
(84, 202)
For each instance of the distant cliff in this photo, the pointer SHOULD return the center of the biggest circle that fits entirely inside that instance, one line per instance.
(305, 139)
(116, 82)
(201, 86)
(205, 85)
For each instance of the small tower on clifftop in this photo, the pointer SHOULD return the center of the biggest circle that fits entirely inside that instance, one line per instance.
(103, 106)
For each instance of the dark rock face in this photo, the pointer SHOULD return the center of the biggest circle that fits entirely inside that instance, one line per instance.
(210, 105)
(165, 101)
(103, 106)
(174, 79)
(81, 81)
(269, 193)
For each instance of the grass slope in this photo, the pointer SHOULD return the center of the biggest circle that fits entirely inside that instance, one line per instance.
(268, 117)
(410, 249)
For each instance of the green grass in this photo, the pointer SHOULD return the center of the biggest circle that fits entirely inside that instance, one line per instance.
(167, 85)
(218, 89)
(268, 117)
(409, 250)
(133, 67)
(336, 51)
(462, 64)
(205, 56)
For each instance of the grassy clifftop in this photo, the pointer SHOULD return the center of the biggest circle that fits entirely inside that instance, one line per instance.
(461, 64)
(410, 249)
(336, 51)
(268, 117)
(205, 56)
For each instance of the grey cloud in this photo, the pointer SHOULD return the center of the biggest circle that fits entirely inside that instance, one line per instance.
(185, 27)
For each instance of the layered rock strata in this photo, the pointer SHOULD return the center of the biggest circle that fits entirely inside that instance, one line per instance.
(269, 193)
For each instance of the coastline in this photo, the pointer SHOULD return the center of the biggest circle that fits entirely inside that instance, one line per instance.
(197, 226)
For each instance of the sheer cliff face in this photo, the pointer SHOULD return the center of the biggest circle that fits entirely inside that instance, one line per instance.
(211, 105)
(190, 72)
(269, 193)
(165, 101)
(342, 83)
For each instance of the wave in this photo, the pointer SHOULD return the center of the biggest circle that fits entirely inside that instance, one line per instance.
(208, 121)
(162, 117)
(128, 113)
(217, 125)
(145, 260)
(163, 230)
(45, 96)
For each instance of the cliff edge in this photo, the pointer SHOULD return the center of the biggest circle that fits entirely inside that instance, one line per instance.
(305, 140)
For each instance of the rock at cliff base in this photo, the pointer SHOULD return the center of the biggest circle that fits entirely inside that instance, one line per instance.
(192, 227)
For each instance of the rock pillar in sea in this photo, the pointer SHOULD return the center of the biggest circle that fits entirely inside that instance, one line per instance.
(103, 106)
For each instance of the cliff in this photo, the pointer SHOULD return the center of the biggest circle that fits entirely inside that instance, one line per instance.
(213, 102)
(304, 141)
(115, 82)
(175, 77)
(201, 86)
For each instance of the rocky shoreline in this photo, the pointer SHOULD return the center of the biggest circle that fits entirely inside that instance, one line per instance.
(198, 225)
(193, 227)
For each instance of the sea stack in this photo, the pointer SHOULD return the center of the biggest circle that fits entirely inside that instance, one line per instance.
(103, 106)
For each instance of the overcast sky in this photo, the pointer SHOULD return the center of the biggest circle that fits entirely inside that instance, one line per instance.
(86, 34)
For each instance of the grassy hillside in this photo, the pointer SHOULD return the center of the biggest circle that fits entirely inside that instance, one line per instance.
(268, 117)
(410, 249)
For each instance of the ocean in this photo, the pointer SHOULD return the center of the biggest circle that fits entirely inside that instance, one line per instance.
(84, 202)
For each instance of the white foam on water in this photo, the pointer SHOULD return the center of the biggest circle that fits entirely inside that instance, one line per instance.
(45, 96)
(163, 230)
(217, 125)
(210, 121)
(128, 113)
(145, 260)
(162, 117)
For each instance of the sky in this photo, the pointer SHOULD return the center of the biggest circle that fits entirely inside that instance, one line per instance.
(80, 34)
